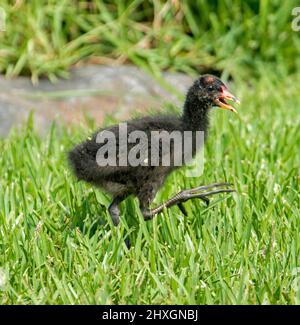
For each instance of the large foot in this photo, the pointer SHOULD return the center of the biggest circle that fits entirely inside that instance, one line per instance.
(197, 193)
(185, 195)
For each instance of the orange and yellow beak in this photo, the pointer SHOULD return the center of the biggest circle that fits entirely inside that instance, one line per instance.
(221, 100)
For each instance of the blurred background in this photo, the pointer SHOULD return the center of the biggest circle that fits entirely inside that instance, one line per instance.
(46, 38)
(145, 41)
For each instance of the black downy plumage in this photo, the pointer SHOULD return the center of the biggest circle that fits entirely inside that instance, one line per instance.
(144, 181)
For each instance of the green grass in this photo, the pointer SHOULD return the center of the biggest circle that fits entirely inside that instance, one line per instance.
(59, 246)
(46, 38)
(57, 242)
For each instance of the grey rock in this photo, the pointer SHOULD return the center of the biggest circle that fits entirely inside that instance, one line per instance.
(91, 90)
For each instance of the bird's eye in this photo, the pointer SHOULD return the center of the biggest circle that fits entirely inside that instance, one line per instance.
(210, 88)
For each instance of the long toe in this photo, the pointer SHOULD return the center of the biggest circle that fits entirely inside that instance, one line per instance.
(206, 200)
(207, 187)
(127, 243)
(226, 190)
(204, 196)
(182, 209)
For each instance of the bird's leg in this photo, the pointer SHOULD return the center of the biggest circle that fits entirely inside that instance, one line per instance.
(185, 195)
(114, 212)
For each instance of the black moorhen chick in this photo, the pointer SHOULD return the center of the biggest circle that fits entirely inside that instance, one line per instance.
(143, 181)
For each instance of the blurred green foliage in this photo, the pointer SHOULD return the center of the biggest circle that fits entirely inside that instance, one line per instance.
(45, 38)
